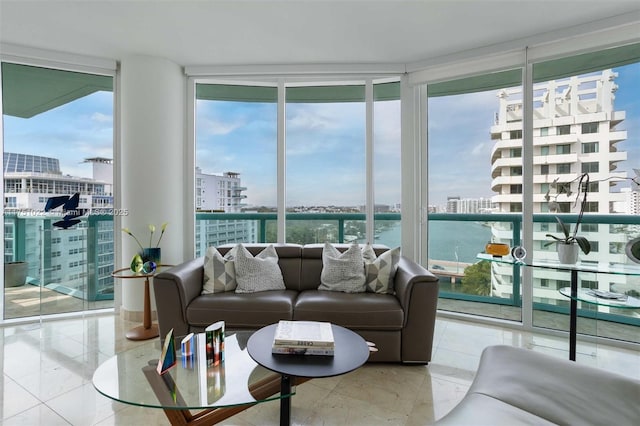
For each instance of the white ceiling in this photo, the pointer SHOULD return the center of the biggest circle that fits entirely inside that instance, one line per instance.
(220, 32)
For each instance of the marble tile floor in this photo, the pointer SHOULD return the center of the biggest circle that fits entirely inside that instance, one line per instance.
(48, 366)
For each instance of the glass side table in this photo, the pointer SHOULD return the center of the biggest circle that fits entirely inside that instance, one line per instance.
(147, 330)
(573, 292)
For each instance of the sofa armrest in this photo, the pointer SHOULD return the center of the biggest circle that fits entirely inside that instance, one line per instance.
(417, 291)
(174, 290)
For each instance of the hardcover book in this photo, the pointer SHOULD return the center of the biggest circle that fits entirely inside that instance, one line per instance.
(310, 350)
(303, 334)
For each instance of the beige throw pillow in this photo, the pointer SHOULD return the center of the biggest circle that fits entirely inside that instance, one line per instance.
(342, 271)
(259, 273)
(219, 271)
(380, 270)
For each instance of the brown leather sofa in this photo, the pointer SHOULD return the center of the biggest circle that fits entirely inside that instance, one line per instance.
(401, 325)
(515, 386)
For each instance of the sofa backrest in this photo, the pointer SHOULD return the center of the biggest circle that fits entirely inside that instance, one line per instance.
(301, 266)
(289, 260)
(312, 262)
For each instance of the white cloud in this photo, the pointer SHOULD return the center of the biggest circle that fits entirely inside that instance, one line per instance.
(216, 127)
(101, 118)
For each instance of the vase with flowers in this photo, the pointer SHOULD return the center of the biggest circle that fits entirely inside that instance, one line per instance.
(148, 258)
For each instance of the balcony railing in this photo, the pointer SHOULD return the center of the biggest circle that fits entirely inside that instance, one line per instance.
(608, 233)
(80, 261)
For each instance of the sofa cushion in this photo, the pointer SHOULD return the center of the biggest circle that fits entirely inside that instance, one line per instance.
(259, 273)
(358, 311)
(219, 271)
(342, 271)
(380, 270)
(289, 259)
(250, 310)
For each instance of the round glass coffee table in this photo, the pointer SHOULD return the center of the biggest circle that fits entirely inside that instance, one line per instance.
(351, 352)
(219, 391)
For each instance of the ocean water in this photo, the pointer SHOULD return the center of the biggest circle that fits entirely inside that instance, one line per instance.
(448, 240)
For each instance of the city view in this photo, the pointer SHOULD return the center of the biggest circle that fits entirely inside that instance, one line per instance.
(581, 124)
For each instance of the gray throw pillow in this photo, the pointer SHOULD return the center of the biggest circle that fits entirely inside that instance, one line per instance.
(219, 271)
(342, 271)
(380, 270)
(259, 273)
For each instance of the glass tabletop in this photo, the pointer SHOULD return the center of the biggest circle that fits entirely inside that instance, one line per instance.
(131, 377)
(604, 298)
(605, 268)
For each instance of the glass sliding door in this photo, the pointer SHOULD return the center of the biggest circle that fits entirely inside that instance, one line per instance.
(475, 190)
(58, 142)
(236, 164)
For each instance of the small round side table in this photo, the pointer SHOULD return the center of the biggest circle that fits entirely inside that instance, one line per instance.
(147, 330)
(351, 352)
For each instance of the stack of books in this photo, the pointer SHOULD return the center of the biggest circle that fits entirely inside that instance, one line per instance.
(303, 338)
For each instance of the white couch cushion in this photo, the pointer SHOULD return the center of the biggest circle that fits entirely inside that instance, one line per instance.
(342, 271)
(259, 273)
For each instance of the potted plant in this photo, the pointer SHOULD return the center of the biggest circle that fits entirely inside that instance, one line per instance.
(569, 243)
(15, 273)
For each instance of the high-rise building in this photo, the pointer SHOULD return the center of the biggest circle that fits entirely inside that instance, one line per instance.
(59, 259)
(469, 205)
(574, 132)
(221, 194)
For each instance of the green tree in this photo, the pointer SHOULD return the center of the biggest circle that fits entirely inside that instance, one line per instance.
(477, 279)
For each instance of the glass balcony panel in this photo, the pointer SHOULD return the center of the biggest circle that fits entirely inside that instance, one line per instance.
(68, 270)
(466, 285)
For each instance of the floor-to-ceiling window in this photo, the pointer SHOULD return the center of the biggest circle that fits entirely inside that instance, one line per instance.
(236, 163)
(586, 119)
(386, 163)
(58, 141)
(582, 119)
(475, 146)
(324, 160)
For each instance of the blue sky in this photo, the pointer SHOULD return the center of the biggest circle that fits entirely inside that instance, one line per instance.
(71, 133)
(325, 150)
(325, 153)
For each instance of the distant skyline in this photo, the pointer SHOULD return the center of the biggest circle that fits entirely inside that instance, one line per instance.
(325, 154)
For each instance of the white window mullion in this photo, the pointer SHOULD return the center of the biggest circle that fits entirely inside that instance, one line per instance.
(369, 163)
(412, 164)
(282, 156)
(190, 155)
(526, 284)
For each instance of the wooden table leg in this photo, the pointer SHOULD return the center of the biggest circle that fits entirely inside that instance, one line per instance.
(147, 330)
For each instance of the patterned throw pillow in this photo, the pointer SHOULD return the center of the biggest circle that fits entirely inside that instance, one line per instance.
(259, 273)
(219, 271)
(380, 270)
(342, 271)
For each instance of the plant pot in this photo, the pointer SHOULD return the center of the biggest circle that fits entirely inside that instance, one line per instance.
(15, 274)
(568, 253)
